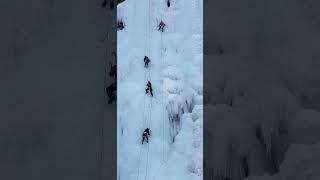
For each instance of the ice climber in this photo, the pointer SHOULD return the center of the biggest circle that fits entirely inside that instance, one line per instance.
(149, 88)
(145, 135)
(146, 61)
(113, 70)
(219, 50)
(111, 92)
(168, 3)
(120, 25)
(104, 3)
(114, 53)
(111, 4)
(161, 26)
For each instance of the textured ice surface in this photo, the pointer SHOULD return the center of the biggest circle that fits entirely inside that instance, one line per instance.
(174, 114)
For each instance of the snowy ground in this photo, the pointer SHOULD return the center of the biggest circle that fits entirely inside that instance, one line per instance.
(174, 114)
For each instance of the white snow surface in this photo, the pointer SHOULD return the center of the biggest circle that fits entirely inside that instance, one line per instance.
(174, 114)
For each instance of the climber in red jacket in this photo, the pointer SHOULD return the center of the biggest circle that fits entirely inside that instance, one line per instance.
(161, 26)
(113, 71)
(149, 88)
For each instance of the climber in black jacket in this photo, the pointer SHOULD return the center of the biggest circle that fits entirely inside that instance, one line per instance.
(145, 135)
(111, 92)
(146, 61)
(120, 25)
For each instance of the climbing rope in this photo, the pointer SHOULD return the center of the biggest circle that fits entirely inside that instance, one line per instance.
(158, 169)
(139, 164)
(146, 118)
(162, 59)
(147, 111)
(163, 116)
(145, 177)
(149, 78)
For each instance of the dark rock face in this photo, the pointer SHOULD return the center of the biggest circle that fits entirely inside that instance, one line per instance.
(52, 107)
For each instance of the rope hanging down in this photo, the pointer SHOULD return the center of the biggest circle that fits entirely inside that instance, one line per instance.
(147, 107)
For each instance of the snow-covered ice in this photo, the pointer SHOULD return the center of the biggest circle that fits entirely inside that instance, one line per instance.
(174, 114)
